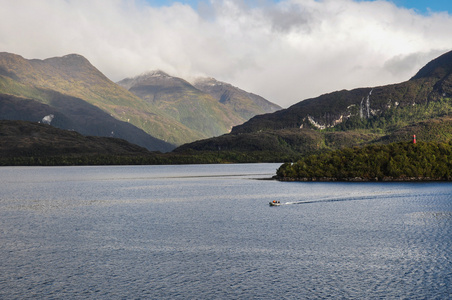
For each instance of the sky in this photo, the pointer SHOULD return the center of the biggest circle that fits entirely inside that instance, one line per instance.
(285, 51)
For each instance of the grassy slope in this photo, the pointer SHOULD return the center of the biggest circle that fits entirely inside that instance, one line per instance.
(194, 109)
(177, 98)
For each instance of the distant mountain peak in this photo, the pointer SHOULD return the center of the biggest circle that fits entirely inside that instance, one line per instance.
(155, 73)
(438, 68)
(73, 55)
(7, 55)
(210, 81)
(156, 77)
(69, 59)
(146, 76)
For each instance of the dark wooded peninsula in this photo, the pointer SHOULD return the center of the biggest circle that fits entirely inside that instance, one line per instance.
(424, 161)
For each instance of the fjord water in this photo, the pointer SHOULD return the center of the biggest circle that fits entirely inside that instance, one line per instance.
(207, 232)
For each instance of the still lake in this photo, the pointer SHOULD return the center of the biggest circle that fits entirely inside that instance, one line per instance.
(207, 232)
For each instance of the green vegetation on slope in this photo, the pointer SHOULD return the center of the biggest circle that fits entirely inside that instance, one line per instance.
(199, 111)
(396, 117)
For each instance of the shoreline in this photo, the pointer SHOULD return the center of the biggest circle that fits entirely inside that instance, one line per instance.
(360, 179)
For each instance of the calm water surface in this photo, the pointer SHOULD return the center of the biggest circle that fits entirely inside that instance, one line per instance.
(207, 232)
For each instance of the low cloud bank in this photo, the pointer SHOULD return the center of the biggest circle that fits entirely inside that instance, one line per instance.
(286, 51)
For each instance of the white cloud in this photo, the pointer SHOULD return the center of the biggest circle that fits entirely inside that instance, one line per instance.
(286, 52)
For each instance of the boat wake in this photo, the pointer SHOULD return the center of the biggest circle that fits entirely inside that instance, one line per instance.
(343, 199)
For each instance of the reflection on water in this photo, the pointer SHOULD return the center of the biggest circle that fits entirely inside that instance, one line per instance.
(206, 231)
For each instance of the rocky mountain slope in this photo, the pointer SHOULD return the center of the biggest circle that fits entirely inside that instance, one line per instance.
(349, 118)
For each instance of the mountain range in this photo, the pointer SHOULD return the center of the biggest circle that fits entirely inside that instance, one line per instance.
(70, 93)
(421, 106)
(159, 112)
